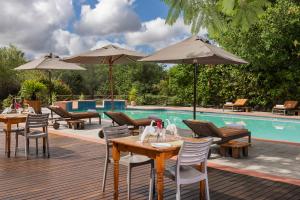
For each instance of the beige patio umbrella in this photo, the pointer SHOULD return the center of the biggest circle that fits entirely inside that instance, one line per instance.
(109, 55)
(48, 63)
(194, 50)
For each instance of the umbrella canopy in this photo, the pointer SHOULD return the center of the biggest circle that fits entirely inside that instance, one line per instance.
(109, 55)
(49, 62)
(194, 50)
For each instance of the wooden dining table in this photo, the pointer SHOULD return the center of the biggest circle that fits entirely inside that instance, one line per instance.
(9, 120)
(160, 155)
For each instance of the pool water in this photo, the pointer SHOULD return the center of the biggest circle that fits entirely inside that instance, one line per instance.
(260, 127)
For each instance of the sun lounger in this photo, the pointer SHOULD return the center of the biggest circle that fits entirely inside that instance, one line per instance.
(122, 119)
(65, 115)
(208, 129)
(239, 104)
(287, 106)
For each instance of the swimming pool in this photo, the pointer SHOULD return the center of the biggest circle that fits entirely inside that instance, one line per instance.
(260, 127)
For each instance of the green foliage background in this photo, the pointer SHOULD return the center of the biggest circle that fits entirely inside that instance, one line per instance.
(267, 36)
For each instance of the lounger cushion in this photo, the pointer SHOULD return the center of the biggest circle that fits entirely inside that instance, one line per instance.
(143, 122)
(290, 104)
(82, 115)
(240, 102)
(122, 119)
(228, 132)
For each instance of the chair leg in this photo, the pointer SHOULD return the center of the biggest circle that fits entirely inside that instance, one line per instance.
(47, 146)
(129, 182)
(104, 175)
(178, 192)
(26, 147)
(44, 147)
(152, 182)
(90, 120)
(17, 144)
(36, 146)
(207, 189)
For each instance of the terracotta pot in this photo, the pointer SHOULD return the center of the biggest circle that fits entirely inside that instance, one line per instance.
(35, 104)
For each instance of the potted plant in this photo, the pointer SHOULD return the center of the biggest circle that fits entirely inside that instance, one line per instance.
(133, 96)
(32, 91)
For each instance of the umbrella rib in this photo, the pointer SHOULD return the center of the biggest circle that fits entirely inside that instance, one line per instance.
(113, 60)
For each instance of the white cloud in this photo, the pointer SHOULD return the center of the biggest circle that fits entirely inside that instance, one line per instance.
(41, 26)
(157, 34)
(108, 17)
(30, 24)
(66, 43)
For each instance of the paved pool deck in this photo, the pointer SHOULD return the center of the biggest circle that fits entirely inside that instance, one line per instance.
(272, 160)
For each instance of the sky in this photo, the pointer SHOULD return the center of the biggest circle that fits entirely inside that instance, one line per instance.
(70, 27)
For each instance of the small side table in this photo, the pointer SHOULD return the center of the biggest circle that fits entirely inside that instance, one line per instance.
(234, 149)
(76, 124)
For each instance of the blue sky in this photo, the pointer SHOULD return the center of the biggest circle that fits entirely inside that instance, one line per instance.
(68, 27)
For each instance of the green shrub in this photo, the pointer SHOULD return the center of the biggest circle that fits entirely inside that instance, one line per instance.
(132, 94)
(8, 101)
(33, 90)
(81, 97)
(149, 99)
(60, 88)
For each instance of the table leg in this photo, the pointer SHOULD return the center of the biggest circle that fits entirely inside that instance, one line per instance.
(116, 158)
(8, 139)
(202, 183)
(160, 169)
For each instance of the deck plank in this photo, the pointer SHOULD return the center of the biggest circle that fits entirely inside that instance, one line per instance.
(75, 169)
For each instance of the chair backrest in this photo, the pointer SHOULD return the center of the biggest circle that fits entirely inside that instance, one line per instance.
(290, 104)
(60, 111)
(193, 153)
(120, 118)
(203, 128)
(240, 102)
(37, 121)
(115, 132)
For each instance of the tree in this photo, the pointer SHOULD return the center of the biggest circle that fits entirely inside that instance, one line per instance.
(272, 49)
(216, 15)
(10, 58)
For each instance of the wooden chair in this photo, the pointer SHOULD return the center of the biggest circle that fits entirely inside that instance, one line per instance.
(33, 122)
(191, 153)
(129, 160)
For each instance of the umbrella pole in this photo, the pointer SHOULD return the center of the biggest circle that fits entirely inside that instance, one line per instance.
(50, 87)
(111, 85)
(50, 92)
(195, 89)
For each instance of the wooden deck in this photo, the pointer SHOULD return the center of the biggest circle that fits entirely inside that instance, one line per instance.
(75, 169)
